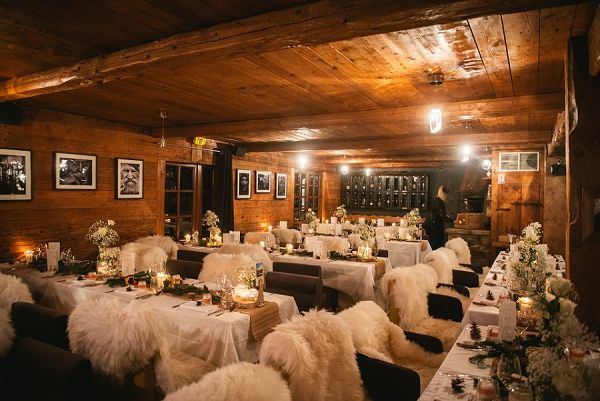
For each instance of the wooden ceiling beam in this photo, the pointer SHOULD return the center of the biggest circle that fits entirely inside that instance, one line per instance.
(471, 110)
(310, 24)
(406, 141)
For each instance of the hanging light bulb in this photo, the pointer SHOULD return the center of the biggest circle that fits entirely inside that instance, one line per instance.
(162, 142)
(435, 121)
(367, 172)
(466, 153)
(344, 169)
(486, 164)
(302, 161)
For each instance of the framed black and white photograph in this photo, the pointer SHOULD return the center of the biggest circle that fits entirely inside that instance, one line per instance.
(129, 179)
(15, 174)
(243, 184)
(263, 182)
(74, 171)
(280, 186)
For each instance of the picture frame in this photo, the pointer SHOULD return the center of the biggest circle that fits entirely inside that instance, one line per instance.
(243, 184)
(15, 174)
(129, 178)
(263, 182)
(590, 211)
(74, 171)
(280, 186)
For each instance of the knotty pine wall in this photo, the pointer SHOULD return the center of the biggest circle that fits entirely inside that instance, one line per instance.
(59, 215)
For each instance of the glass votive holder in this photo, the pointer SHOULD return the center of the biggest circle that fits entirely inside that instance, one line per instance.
(206, 298)
(192, 296)
(520, 392)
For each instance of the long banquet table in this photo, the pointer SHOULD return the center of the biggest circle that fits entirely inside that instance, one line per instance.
(220, 340)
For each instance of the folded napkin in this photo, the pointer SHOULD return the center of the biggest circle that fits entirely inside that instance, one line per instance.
(484, 301)
(47, 274)
(134, 293)
(82, 283)
(204, 309)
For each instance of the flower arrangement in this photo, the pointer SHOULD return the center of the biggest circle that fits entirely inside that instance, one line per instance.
(195, 239)
(340, 213)
(414, 219)
(311, 218)
(532, 233)
(554, 373)
(365, 231)
(110, 255)
(210, 219)
(247, 275)
(102, 234)
(527, 268)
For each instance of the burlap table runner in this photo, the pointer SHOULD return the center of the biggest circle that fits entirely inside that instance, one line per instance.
(379, 269)
(262, 320)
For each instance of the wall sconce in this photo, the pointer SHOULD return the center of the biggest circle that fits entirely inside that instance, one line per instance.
(302, 162)
(344, 169)
(486, 164)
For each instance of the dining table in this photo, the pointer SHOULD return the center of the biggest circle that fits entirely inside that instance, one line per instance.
(218, 338)
(403, 253)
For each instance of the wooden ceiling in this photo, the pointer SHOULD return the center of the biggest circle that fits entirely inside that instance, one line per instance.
(285, 75)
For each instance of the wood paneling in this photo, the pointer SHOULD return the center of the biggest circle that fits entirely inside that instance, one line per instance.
(66, 215)
(594, 45)
(555, 215)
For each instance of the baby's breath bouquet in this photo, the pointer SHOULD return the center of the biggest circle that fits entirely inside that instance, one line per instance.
(340, 213)
(414, 219)
(210, 219)
(102, 234)
(532, 233)
(311, 218)
(527, 268)
(247, 275)
(365, 232)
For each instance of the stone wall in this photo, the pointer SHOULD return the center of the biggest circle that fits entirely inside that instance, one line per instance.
(479, 244)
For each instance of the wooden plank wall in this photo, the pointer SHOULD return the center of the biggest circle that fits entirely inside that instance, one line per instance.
(555, 215)
(331, 194)
(59, 215)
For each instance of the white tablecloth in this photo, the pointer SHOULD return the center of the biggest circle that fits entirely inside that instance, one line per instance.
(205, 249)
(404, 253)
(220, 340)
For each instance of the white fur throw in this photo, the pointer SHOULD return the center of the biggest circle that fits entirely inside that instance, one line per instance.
(461, 248)
(356, 242)
(451, 255)
(13, 289)
(239, 381)
(7, 333)
(316, 355)
(256, 252)
(254, 237)
(287, 235)
(438, 259)
(375, 336)
(215, 264)
(337, 244)
(146, 256)
(165, 243)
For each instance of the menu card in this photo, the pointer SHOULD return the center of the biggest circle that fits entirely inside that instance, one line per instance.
(228, 238)
(507, 320)
(319, 250)
(380, 222)
(53, 256)
(333, 220)
(128, 263)
(283, 224)
(236, 236)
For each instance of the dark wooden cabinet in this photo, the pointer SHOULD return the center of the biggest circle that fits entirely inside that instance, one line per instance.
(388, 191)
(306, 194)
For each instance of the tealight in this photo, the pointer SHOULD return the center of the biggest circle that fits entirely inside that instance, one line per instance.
(326, 221)
(28, 256)
(188, 238)
(262, 244)
(289, 248)
(160, 279)
(393, 224)
(270, 228)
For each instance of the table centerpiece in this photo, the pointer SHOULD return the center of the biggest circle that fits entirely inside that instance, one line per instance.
(103, 235)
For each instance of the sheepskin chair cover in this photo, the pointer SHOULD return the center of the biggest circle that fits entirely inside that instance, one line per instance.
(254, 237)
(239, 381)
(165, 243)
(7, 332)
(215, 264)
(407, 290)
(256, 252)
(356, 242)
(461, 248)
(465, 301)
(451, 255)
(287, 235)
(374, 335)
(336, 244)
(438, 259)
(146, 256)
(13, 289)
(315, 354)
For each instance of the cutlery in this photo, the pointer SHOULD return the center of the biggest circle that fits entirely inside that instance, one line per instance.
(110, 291)
(462, 375)
(60, 281)
(178, 305)
(219, 314)
(484, 304)
(471, 347)
(214, 312)
(144, 296)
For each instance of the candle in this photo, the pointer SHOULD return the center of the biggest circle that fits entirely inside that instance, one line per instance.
(525, 304)
(393, 224)
(387, 236)
(270, 228)
(289, 248)
(326, 221)
(28, 256)
(262, 244)
(188, 238)
(160, 280)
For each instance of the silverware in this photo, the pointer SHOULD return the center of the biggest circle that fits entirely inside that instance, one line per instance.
(483, 304)
(462, 375)
(178, 305)
(113, 290)
(219, 314)
(144, 296)
(214, 312)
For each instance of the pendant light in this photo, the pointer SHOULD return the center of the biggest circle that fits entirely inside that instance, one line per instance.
(436, 80)
(344, 167)
(466, 149)
(162, 142)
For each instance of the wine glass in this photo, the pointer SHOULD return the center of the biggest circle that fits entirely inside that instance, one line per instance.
(508, 365)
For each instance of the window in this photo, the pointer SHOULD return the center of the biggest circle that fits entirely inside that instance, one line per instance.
(519, 161)
(184, 198)
(306, 193)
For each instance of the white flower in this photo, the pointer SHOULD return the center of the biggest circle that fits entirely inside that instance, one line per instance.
(568, 381)
(110, 222)
(560, 287)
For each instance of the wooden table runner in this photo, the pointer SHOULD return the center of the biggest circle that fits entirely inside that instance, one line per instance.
(262, 320)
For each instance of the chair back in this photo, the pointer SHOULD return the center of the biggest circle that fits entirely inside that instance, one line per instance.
(382, 253)
(306, 290)
(385, 381)
(465, 278)
(192, 256)
(298, 268)
(445, 307)
(41, 323)
(185, 268)
(13, 289)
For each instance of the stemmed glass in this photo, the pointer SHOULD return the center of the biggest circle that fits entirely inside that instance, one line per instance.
(508, 365)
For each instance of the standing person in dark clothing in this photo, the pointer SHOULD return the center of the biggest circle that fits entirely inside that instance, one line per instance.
(438, 217)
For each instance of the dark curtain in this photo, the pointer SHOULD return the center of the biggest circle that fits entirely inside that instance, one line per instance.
(224, 188)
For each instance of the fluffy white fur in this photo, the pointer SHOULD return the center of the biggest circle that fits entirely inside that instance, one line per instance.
(13, 289)
(374, 335)
(461, 248)
(122, 339)
(438, 259)
(316, 355)
(7, 333)
(336, 244)
(240, 381)
(256, 253)
(407, 289)
(255, 238)
(215, 264)
(355, 241)
(146, 256)
(451, 255)
(165, 243)
(287, 235)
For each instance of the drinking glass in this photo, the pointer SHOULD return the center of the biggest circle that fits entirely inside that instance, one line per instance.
(507, 366)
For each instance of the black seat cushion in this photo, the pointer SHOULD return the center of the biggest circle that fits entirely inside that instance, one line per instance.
(462, 290)
(194, 256)
(185, 268)
(445, 307)
(476, 268)
(386, 381)
(382, 253)
(465, 278)
(43, 324)
(428, 343)
(306, 290)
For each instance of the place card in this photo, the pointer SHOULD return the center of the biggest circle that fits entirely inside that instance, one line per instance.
(361, 220)
(333, 220)
(507, 320)
(283, 224)
(228, 239)
(128, 263)
(380, 222)
(53, 256)
(236, 236)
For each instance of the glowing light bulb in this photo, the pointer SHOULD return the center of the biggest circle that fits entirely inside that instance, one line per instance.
(367, 172)
(435, 121)
(466, 153)
(344, 169)
(486, 164)
(302, 161)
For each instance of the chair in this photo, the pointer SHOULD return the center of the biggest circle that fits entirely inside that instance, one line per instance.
(329, 297)
(255, 237)
(385, 381)
(286, 236)
(444, 307)
(239, 381)
(382, 253)
(461, 248)
(315, 354)
(12, 289)
(41, 323)
(146, 256)
(465, 278)
(306, 290)
(185, 268)
(438, 259)
(217, 264)
(256, 252)
(165, 243)
(193, 256)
